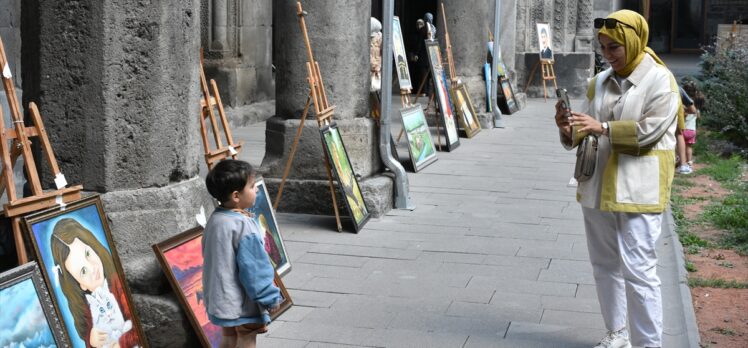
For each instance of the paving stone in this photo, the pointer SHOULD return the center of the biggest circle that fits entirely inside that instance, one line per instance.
(356, 319)
(510, 272)
(507, 307)
(439, 257)
(387, 253)
(296, 313)
(571, 304)
(475, 341)
(504, 260)
(442, 323)
(568, 271)
(522, 286)
(313, 298)
(573, 318)
(399, 338)
(330, 345)
(324, 333)
(587, 291)
(573, 336)
(334, 260)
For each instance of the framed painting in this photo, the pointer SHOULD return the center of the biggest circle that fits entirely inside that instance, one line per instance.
(398, 50)
(181, 259)
(420, 145)
(465, 110)
(507, 103)
(81, 267)
(343, 170)
(265, 218)
(442, 95)
(544, 41)
(29, 318)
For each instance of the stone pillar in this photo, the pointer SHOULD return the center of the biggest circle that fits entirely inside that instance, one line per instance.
(10, 32)
(468, 23)
(584, 35)
(117, 86)
(339, 35)
(237, 41)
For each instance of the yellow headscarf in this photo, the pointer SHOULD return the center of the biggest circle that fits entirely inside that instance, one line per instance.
(635, 41)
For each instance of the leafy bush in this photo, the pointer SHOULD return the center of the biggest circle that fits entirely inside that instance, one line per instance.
(723, 81)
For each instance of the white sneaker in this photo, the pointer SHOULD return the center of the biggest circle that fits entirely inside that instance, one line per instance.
(684, 169)
(615, 339)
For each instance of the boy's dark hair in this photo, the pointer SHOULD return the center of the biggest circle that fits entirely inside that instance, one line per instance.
(226, 177)
(694, 93)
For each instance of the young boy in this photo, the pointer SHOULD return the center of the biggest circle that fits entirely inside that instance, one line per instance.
(237, 275)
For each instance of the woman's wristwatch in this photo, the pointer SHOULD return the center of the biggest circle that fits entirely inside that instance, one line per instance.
(606, 128)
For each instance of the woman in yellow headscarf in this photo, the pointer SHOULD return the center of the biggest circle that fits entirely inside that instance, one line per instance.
(631, 107)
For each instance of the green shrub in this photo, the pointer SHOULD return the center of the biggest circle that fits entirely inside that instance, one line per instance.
(723, 82)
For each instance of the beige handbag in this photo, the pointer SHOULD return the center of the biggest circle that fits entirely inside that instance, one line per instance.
(586, 158)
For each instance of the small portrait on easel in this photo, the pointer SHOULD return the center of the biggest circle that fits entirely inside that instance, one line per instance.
(544, 41)
(398, 49)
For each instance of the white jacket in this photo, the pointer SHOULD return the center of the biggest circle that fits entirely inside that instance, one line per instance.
(635, 162)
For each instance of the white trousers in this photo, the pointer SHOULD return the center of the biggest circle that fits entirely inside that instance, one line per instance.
(624, 264)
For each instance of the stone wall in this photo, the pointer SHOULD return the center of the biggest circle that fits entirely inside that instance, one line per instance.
(10, 32)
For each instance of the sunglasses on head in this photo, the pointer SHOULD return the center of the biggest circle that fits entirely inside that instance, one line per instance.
(610, 23)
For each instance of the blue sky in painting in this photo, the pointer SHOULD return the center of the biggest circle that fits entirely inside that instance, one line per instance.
(23, 323)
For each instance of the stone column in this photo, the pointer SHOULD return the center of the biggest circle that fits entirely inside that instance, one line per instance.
(117, 86)
(10, 32)
(339, 35)
(468, 23)
(584, 35)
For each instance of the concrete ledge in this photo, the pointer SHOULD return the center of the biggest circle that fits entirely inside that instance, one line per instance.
(572, 72)
(313, 196)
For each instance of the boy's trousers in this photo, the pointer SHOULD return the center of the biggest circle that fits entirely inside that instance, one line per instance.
(624, 264)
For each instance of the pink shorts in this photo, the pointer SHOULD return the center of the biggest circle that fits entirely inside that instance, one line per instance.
(690, 136)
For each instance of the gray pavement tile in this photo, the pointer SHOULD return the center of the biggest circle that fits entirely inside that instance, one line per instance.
(586, 291)
(475, 341)
(457, 280)
(308, 270)
(363, 238)
(572, 238)
(439, 257)
(329, 345)
(574, 336)
(515, 231)
(418, 227)
(320, 332)
(265, 341)
(505, 307)
(330, 259)
(400, 338)
(390, 304)
(392, 266)
(573, 318)
(400, 288)
(505, 260)
(510, 272)
(313, 298)
(568, 271)
(589, 305)
(442, 323)
(475, 245)
(362, 318)
(374, 252)
(554, 253)
(522, 286)
(296, 313)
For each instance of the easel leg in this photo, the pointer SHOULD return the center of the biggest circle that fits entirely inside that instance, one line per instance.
(332, 194)
(423, 83)
(18, 235)
(532, 74)
(293, 152)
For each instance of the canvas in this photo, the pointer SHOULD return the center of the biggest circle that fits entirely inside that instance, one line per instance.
(265, 218)
(181, 259)
(401, 58)
(507, 103)
(420, 145)
(343, 170)
(466, 111)
(81, 268)
(442, 96)
(545, 41)
(29, 318)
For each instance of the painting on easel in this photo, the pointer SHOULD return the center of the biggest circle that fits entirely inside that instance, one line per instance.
(442, 96)
(420, 144)
(398, 49)
(465, 110)
(544, 41)
(341, 166)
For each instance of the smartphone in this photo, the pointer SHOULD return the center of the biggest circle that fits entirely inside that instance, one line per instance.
(564, 99)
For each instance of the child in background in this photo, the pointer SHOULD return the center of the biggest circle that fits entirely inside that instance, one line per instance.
(238, 278)
(689, 130)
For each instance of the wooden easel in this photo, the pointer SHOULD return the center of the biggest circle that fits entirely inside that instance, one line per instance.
(450, 59)
(20, 145)
(206, 111)
(324, 115)
(546, 67)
